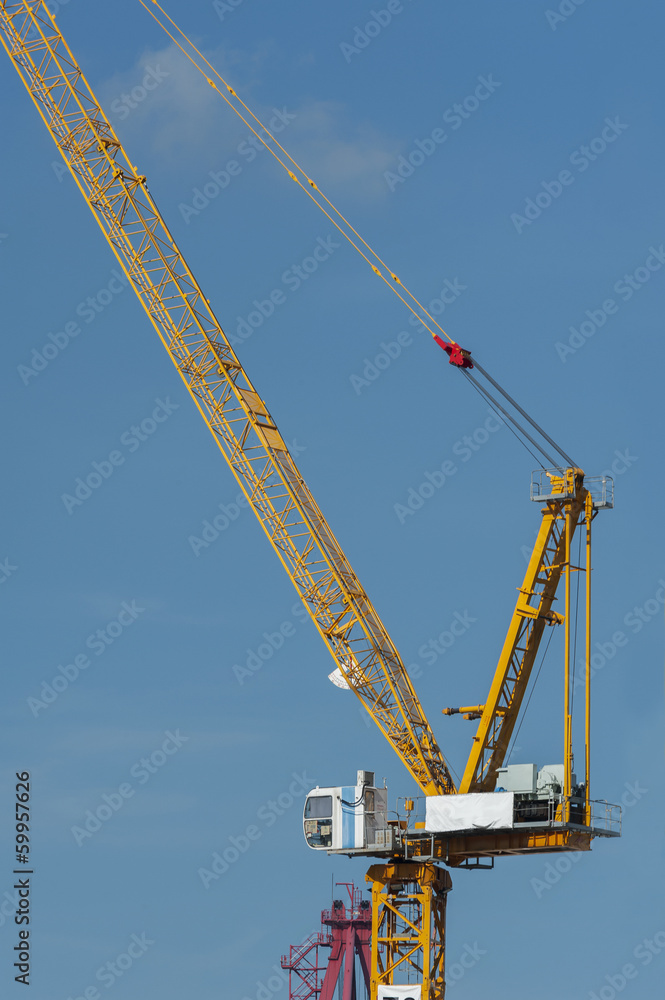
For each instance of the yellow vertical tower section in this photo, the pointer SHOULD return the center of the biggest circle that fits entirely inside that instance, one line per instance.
(409, 927)
(231, 406)
(533, 612)
(587, 673)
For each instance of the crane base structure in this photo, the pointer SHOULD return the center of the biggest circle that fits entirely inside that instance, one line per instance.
(398, 938)
(346, 930)
(408, 929)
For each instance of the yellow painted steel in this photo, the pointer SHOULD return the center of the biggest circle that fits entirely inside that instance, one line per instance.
(533, 611)
(567, 718)
(226, 398)
(253, 446)
(458, 849)
(408, 933)
(589, 515)
(409, 926)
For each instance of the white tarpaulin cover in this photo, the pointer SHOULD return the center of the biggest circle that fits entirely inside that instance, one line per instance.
(399, 992)
(338, 679)
(474, 811)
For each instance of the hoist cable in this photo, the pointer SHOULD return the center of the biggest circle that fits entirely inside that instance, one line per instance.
(478, 389)
(512, 419)
(309, 187)
(524, 414)
(312, 184)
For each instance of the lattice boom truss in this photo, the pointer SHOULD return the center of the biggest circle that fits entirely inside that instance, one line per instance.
(231, 406)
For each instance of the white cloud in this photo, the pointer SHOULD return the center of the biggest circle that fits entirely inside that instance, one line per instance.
(164, 96)
(186, 121)
(334, 152)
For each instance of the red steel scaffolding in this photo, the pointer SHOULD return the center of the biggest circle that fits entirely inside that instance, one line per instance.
(346, 930)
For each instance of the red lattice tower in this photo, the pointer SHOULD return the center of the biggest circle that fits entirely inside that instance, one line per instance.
(346, 930)
(305, 972)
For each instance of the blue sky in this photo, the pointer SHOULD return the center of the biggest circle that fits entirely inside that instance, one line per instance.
(178, 616)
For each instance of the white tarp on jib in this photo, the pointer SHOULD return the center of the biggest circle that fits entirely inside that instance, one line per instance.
(474, 811)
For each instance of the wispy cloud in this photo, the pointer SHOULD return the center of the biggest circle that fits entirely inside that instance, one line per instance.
(336, 151)
(164, 98)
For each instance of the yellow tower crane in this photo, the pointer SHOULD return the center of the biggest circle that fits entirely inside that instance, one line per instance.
(544, 811)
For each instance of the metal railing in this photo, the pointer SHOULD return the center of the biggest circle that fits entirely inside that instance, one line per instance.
(605, 817)
(549, 484)
(601, 489)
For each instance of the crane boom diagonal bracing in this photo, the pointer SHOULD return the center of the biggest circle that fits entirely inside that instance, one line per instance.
(533, 611)
(232, 408)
